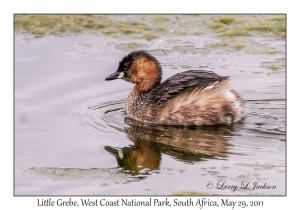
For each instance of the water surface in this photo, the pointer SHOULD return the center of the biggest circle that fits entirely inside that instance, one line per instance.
(72, 136)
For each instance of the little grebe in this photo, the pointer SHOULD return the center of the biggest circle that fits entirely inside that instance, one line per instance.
(193, 97)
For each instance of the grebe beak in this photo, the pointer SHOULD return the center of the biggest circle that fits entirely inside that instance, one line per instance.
(115, 75)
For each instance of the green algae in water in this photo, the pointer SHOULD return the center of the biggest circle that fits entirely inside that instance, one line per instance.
(227, 20)
(190, 193)
(190, 49)
(272, 26)
(243, 25)
(131, 46)
(149, 35)
(109, 31)
(113, 175)
(216, 25)
(271, 51)
(196, 32)
(160, 28)
(234, 32)
(238, 46)
(217, 45)
(237, 43)
(161, 18)
(153, 26)
(160, 52)
(181, 32)
(276, 65)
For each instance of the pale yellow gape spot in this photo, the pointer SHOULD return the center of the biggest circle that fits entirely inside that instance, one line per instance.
(121, 75)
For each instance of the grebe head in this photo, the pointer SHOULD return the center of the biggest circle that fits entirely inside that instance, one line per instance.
(140, 68)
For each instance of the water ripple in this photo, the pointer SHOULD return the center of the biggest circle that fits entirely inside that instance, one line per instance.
(96, 118)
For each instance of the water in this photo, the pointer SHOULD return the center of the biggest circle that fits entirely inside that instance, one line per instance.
(72, 136)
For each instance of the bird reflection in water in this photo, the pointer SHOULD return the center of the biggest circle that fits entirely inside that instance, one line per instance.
(187, 144)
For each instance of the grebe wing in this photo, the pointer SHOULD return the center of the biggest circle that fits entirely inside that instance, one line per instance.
(184, 81)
